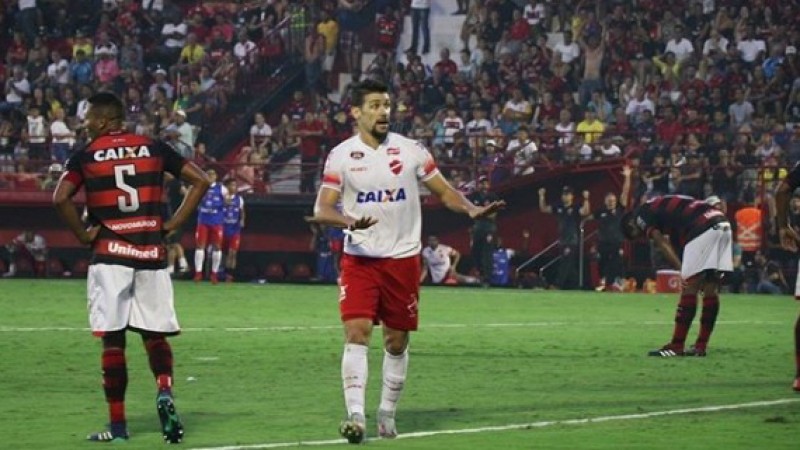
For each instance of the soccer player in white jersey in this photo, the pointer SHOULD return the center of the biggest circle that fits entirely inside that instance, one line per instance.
(441, 261)
(375, 174)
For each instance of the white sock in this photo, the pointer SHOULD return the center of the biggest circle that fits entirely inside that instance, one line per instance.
(394, 378)
(12, 268)
(354, 377)
(183, 264)
(199, 255)
(216, 259)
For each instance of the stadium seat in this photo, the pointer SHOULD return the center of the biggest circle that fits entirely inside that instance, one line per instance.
(274, 272)
(54, 267)
(80, 268)
(246, 272)
(24, 267)
(300, 272)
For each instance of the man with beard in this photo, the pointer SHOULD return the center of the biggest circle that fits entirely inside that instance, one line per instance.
(375, 175)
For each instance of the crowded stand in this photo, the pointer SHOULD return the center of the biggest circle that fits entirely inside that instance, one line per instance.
(697, 97)
(178, 65)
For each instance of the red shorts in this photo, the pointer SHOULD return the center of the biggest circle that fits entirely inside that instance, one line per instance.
(337, 245)
(232, 242)
(208, 234)
(382, 289)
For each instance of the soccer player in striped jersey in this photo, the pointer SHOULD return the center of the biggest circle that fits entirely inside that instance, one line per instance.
(129, 287)
(704, 233)
(789, 238)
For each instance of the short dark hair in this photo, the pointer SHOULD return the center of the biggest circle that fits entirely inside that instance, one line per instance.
(627, 224)
(108, 105)
(366, 87)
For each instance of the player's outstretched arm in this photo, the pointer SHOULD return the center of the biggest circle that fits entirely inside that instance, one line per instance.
(198, 185)
(455, 200)
(326, 213)
(62, 200)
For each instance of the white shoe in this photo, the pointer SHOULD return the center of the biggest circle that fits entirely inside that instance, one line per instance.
(9, 274)
(387, 429)
(354, 429)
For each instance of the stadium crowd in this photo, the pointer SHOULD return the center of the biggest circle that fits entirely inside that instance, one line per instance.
(177, 64)
(702, 97)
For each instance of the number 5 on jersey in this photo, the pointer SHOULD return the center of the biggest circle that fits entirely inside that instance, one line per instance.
(129, 202)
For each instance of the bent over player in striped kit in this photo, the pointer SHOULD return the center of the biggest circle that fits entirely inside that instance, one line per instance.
(705, 235)
(789, 238)
(128, 283)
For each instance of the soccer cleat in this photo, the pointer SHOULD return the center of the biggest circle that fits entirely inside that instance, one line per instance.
(171, 426)
(198, 276)
(229, 278)
(695, 351)
(387, 429)
(107, 436)
(214, 279)
(354, 429)
(796, 385)
(666, 352)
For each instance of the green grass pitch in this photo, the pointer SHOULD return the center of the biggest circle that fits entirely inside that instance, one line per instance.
(259, 364)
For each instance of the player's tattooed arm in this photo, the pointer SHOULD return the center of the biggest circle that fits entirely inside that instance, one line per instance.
(666, 247)
(62, 200)
(326, 213)
(199, 183)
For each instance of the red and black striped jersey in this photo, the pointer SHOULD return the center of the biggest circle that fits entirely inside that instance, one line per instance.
(123, 175)
(682, 217)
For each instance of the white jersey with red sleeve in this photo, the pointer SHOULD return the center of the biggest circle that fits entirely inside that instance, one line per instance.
(381, 183)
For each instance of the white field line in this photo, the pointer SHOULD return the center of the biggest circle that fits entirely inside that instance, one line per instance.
(524, 426)
(11, 329)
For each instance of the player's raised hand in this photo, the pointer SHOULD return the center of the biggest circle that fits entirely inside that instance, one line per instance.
(626, 171)
(363, 223)
(789, 238)
(542, 192)
(487, 210)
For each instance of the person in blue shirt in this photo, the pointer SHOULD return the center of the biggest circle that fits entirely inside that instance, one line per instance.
(233, 222)
(209, 228)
